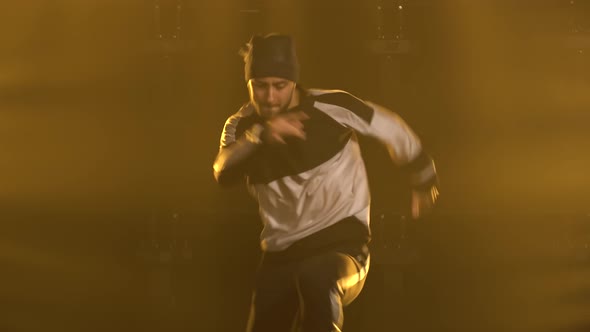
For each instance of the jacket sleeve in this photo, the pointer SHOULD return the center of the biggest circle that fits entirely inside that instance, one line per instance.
(376, 121)
(234, 151)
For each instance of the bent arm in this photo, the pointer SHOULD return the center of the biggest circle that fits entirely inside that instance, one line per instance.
(228, 166)
(235, 148)
(404, 147)
(376, 121)
(390, 129)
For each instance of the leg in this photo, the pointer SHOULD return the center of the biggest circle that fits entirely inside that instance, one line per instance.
(275, 300)
(325, 284)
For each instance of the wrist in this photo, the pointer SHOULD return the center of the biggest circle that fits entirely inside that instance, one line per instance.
(254, 134)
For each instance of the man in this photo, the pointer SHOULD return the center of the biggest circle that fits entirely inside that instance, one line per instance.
(298, 150)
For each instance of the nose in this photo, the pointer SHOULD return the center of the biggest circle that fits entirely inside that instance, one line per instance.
(271, 95)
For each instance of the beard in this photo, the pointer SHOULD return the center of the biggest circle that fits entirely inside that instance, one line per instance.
(267, 111)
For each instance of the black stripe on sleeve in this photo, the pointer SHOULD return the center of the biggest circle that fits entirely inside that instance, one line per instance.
(431, 182)
(420, 163)
(349, 102)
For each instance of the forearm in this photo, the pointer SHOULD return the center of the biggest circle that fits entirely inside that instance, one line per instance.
(230, 158)
(401, 141)
(424, 182)
(421, 172)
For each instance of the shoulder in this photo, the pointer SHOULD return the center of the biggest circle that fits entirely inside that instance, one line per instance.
(326, 93)
(247, 110)
(343, 99)
(246, 113)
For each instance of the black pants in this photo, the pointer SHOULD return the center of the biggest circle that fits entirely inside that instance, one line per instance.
(308, 293)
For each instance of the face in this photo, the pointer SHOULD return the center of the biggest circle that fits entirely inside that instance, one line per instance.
(271, 95)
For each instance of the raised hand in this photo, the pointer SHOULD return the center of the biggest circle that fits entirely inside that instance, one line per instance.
(423, 201)
(285, 125)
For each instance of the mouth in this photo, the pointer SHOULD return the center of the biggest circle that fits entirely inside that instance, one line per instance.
(271, 108)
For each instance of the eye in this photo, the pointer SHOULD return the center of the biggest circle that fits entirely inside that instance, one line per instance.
(258, 85)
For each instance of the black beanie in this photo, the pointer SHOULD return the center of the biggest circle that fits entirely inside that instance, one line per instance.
(271, 56)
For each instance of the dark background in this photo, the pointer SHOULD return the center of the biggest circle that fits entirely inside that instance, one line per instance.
(110, 118)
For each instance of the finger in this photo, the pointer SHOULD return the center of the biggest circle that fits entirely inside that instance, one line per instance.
(297, 124)
(278, 126)
(293, 130)
(299, 133)
(297, 116)
(283, 128)
(415, 206)
(277, 138)
(301, 115)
